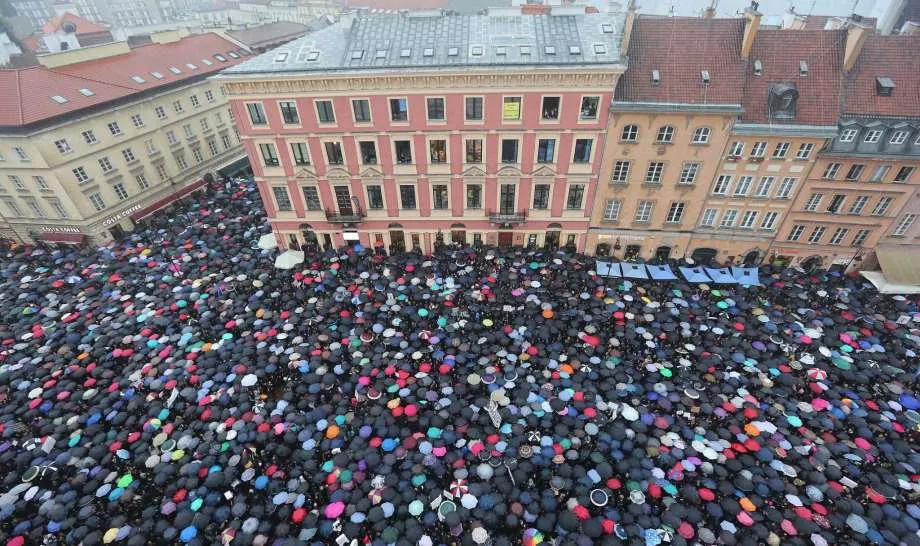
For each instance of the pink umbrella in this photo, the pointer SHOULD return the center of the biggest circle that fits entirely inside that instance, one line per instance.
(334, 510)
(817, 374)
(458, 488)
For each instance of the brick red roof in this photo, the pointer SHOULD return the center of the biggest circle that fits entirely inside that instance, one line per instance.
(679, 48)
(397, 4)
(82, 26)
(895, 57)
(780, 51)
(817, 22)
(25, 94)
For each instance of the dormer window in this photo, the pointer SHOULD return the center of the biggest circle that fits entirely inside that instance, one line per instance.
(803, 68)
(884, 86)
(758, 68)
(656, 77)
(704, 76)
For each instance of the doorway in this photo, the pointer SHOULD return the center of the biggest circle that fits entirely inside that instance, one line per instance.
(505, 239)
(551, 240)
(343, 200)
(812, 264)
(506, 200)
(458, 237)
(752, 258)
(571, 242)
(327, 242)
(397, 241)
(704, 256)
(310, 244)
(632, 252)
(602, 250)
(117, 232)
(663, 253)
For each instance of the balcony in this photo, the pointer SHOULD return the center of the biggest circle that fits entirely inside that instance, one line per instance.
(510, 218)
(352, 217)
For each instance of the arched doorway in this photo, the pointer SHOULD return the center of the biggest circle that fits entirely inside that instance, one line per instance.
(704, 256)
(602, 250)
(812, 264)
(397, 238)
(663, 253)
(551, 241)
(632, 252)
(310, 243)
(458, 234)
(752, 258)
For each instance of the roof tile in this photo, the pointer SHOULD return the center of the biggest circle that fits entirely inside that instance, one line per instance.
(895, 57)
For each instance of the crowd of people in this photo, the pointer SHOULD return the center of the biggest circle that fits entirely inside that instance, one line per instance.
(175, 387)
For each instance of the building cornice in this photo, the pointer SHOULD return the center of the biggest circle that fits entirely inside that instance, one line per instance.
(813, 131)
(629, 106)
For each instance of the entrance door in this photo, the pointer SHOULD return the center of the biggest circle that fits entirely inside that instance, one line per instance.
(505, 238)
(506, 200)
(458, 237)
(632, 252)
(552, 240)
(704, 256)
(343, 200)
(327, 241)
(397, 241)
(117, 232)
(662, 253)
(602, 250)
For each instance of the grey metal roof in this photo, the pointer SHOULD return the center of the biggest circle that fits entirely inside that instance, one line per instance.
(437, 41)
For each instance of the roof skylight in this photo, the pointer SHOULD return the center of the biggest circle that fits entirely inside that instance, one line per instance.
(59, 99)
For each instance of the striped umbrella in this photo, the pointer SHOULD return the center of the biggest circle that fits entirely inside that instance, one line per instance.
(458, 488)
(816, 374)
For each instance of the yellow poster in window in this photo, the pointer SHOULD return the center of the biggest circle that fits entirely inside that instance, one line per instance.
(512, 109)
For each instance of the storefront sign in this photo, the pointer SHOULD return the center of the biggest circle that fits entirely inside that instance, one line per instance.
(787, 251)
(61, 229)
(350, 236)
(123, 214)
(843, 260)
(607, 237)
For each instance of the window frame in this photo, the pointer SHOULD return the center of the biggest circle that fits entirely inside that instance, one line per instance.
(298, 154)
(402, 204)
(253, 108)
(630, 133)
(428, 117)
(581, 108)
(324, 111)
(658, 174)
(520, 101)
(904, 224)
(396, 100)
(704, 132)
(329, 145)
(354, 111)
(549, 196)
(614, 205)
(286, 107)
(614, 179)
(466, 110)
(641, 213)
(708, 218)
(848, 135)
(578, 189)
(781, 150)
(688, 173)
(675, 212)
(665, 134)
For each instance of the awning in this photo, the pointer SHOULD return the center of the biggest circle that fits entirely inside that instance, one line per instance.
(67, 238)
(166, 201)
(898, 266)
(235, 167)
(884, 286)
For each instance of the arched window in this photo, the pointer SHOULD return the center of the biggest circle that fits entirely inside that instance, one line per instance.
(665, 134)
(630, 133)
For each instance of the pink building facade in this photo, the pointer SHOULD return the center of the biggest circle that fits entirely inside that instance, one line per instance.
(413, 144)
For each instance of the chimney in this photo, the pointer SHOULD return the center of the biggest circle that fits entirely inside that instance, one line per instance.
(910, 28)
(751, 24)
(856, 37)
(709, 13)
(627, 30)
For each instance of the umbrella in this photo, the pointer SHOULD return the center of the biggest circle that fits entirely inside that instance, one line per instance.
(289, 259)
(268, 242)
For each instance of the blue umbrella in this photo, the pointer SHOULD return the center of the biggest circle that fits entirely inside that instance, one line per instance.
(188, 533)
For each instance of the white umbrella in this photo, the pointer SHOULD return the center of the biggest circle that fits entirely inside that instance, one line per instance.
(268, 242)
(289, 259)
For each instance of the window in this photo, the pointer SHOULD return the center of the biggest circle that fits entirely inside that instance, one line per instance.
(137, 121)
(861, 237)
(665, 135)
(325, 111)
(830, 172)
(904, 174)
(171, 137)
(282, 198)
(906, 221)
(16, 181)
(589, 106)
(644, 211)
(362, 110)
(89, 136)
(654, 172)
(721, 187)
(399, 110)
(187, 129)
(128, 154)
(583, 150)
(575, 197)
(177, 106)
(114, 128)
(256, 113)
(474, 150)
(859, 204)
(403, 151)
(744, 185)
(709, 217)
(838, 236)
(759, 148)
(437, 151)
(435, 108)
(855, 172)
(813, 201)
(769, 221)
(688, 173)
(374, 197)
(541, 193)
(764, 186)
(848, 135)
(180, 161)
(511, 108)
(701, 135)
(334, 153)
(474, 108)
(63, 146)
(882, 206)
(737, 149)
(630, 133)
(675, 213)
(161, 171)
(899, 137)
(612, 210)
(120, 191)
(209, 95)
(872, 136)
(41, 183)
(96, 200)
(439, 196)
(786, 187)
(550, 110)
(816, 234)
(620, 172)
(142, 181)
(836, 203)
(204, 124)
(782, 148)
(509, 150)
(728, 218)
(11, 204)
(804, 150)
(58, 208)
(368, 150)
(196, 154)
(546, 150)
(106, 165)
(225, 140)
(747, 219)
(311, 198)
(289, 112)
(269, 155)
(407, 196)
(219, 117)
(21, 154)
(473, 196)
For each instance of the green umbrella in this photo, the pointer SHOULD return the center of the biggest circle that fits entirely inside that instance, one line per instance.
(125, 481)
